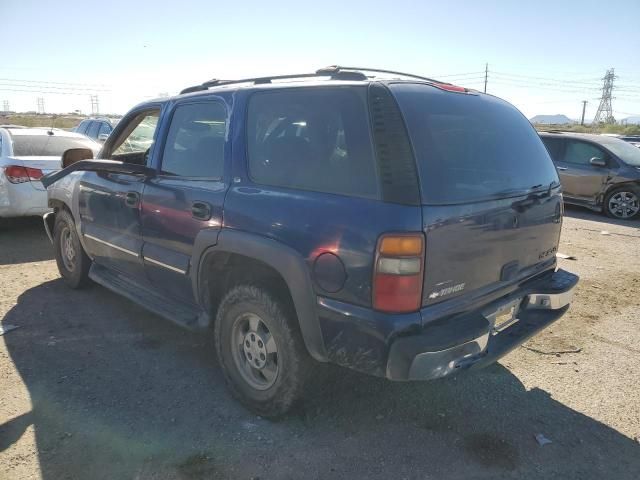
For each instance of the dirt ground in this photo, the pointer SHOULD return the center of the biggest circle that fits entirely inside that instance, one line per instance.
(92, 386)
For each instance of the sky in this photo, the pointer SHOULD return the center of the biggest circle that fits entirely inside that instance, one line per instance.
(545, 57)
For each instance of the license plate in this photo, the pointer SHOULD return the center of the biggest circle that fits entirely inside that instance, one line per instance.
(505, 316)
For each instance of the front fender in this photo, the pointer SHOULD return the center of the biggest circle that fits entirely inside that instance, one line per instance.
(285, 260)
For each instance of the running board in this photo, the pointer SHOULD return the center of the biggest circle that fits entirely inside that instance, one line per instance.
(185, 315)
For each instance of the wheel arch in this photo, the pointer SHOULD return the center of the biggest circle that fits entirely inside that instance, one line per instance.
(222, 255)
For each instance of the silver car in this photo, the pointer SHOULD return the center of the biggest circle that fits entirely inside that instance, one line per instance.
(26, 154)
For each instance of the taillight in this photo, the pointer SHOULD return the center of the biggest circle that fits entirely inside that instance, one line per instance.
(450, 88)
(19, 174)
(398, 273)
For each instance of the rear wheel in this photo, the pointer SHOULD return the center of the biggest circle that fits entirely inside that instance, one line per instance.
(261, 351)
(73, 262)
(623, 203)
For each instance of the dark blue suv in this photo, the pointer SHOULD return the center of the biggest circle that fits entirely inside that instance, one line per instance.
(389, 223)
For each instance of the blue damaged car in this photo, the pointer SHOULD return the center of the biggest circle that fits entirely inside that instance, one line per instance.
(393, 224)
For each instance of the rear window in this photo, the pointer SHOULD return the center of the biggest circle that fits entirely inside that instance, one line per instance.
(46, 145)
(312, 139)
(471, 147)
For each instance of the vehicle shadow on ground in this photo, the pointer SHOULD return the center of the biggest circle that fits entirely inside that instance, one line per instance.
(582, 213)
(24, 240)
(117, 392)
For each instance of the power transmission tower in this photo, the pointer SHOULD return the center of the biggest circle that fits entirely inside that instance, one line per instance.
(584, 107)
(605, 110)
(95, 105)
(40, 102)
(5, 106)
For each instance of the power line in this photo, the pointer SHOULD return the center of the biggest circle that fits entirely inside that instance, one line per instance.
(52, 83)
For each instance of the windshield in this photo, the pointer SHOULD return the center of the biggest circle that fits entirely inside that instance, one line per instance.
(46, 145)
(624, 151)
(471, 147)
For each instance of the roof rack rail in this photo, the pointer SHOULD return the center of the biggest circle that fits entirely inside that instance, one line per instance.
(335, 72)
(338, 75)
(339, 68)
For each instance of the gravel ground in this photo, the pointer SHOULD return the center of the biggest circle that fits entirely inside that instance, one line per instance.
(92, 386)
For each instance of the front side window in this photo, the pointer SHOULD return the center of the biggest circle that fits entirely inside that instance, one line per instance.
(195, 142)
(312, 139)
(135, 141)
(581, 153)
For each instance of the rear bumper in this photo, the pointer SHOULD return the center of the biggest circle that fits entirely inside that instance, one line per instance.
(399, 347)
(21, 200)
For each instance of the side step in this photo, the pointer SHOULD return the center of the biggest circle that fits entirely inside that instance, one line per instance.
(185, 315)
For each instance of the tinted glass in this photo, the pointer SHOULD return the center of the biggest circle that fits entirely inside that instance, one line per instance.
(554, 146)
(47, 145)
(580, 153)
(138, 135)
(92, 131)
(82, 128)
(105, 128)
(195, 142)
(312, 139)
(624, 151)
(471, 147)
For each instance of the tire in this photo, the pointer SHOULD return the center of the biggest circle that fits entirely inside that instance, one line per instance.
(258, 388)
(623, 203)
(73, 262)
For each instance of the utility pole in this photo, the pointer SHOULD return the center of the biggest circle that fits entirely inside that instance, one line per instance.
(605, 110)
(95, 105)
(5, 106)
(40, 102)
(584, 106)
(486, 75)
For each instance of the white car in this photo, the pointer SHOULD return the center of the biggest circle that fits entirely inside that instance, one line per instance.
(26, 154)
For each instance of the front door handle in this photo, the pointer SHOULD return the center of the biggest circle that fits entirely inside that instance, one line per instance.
(132, 199)
(562, 169)
(201, 210)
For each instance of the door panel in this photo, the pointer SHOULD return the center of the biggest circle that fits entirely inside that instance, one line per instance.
(580, 179)
(111, 225)
(109, 203)
(186, 196)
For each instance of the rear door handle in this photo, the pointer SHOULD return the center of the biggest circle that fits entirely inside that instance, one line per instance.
(132, 199)
(562, 169)
(201, 210)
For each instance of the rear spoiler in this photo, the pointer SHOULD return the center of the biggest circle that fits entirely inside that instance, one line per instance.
(111, 166)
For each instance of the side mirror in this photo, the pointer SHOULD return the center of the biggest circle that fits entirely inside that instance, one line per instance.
(102, 137)
(598, 162)
(73, 155)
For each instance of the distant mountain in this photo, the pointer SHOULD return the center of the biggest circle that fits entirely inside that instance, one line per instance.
(631, 120)
(551, 119)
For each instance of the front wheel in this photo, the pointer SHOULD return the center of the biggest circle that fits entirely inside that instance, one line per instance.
(623, 203)
(261, 351)
(73, 262)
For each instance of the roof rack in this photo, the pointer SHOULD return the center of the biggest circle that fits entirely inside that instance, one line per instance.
(335, 72)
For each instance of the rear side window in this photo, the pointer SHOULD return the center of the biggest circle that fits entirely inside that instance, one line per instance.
(92, 131)
(555, 148)
(47, 145)
(312, 139)
(105, 128)
(195, 142)
(471, 147)
(82, 128)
